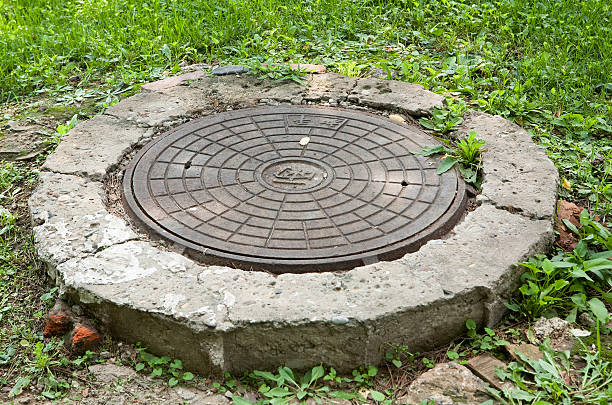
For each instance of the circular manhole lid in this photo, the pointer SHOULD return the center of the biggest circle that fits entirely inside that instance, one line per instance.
(293, 189)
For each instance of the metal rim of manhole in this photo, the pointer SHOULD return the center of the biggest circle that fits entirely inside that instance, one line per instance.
(293, 189)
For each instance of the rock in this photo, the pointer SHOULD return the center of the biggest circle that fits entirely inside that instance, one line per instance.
(212, 400)
(173, 81)
(59, 320)
(580, 333)
(558, 330)
(229, 70)
(127, 353)
(532, 352)
(567, 239)
(447, 384)
(24, 400)
(110, 372)
(105, 355)
(484, 366)
(84, 337)
(397, 117)
(585, 320)
(77, 310)
(22, 141)
(340, 320)
(309, 67)
(185, 393)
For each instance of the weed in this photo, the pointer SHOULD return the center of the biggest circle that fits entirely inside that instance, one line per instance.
(163, 367)
(551, 380)
(39, 368)
(488, 341)
(352, 68)
(445, 119)
(7, 223)
(278, 72)
(62, 130)
(465, 154)
(562, 284)
(288, 387)
(10, 177)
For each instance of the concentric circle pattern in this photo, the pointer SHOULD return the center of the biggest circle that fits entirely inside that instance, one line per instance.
(293, 188)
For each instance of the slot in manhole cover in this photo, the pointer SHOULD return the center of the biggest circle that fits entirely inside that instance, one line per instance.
(293, 189)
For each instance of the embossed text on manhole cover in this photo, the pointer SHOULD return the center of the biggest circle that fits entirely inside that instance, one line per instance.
(293, 189)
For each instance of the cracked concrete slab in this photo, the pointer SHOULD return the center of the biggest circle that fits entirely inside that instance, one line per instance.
(151, 109)
(329, 87)
(518, 176)
(218, 318)
(84, 152)
(408, 98)
(71, 219)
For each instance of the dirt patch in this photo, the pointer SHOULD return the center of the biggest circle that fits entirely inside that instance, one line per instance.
(567, 239)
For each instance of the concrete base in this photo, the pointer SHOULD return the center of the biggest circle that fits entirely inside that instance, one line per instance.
(222, 319)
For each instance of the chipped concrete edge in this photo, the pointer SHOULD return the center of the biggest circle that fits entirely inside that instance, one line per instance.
(221, 319)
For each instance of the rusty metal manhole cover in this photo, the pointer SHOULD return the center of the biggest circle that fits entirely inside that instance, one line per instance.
(293, 189)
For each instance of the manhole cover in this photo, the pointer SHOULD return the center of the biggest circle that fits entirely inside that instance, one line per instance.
(293, 189)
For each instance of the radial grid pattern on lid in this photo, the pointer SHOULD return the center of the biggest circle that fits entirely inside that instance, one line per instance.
(293, 186)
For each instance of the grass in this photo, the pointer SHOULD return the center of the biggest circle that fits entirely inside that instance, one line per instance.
(545, 65)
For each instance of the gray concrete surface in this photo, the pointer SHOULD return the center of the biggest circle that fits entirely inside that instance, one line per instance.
(221, 319)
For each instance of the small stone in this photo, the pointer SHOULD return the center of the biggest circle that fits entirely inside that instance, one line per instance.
(304, 141)
(77, 310)
(398, 118)
(110, 372)
(484, 367)
(532, 352)
(85, 337)
(211, 323)
(580, 333)
(340, 320)
(446, 383)
(229, 394)
(558, 330)
(185, 394)
(59, 320)
(585, 320)
(229, 70)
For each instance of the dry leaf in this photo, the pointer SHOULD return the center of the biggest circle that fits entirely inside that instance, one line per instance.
(566, 184)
